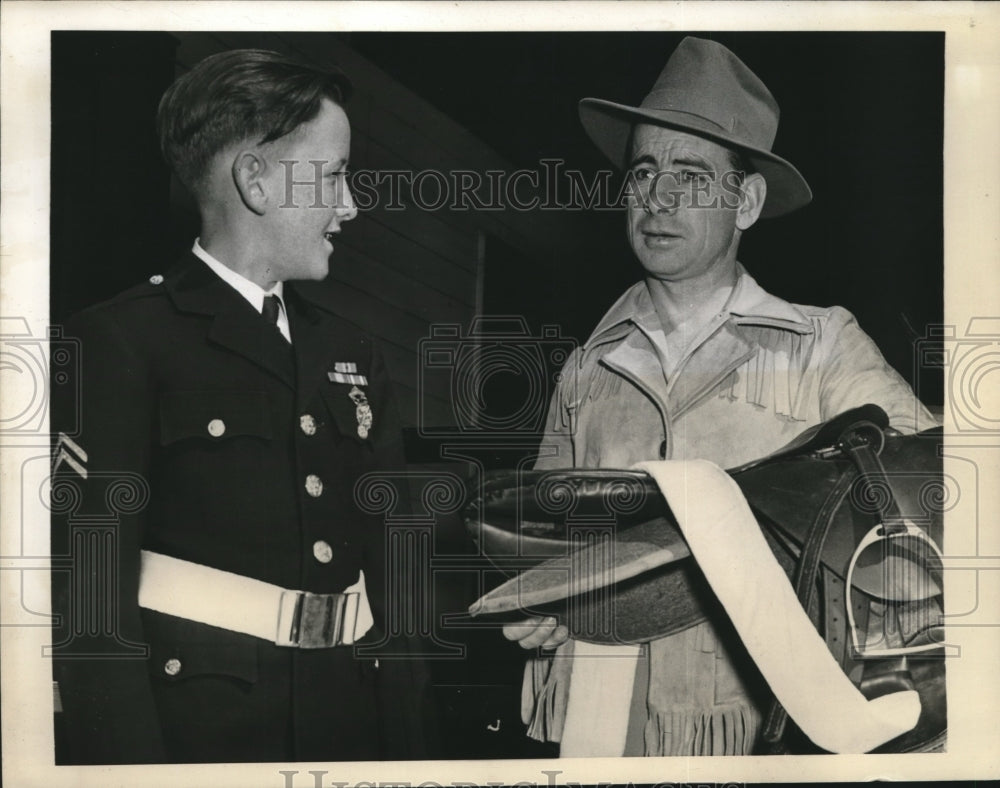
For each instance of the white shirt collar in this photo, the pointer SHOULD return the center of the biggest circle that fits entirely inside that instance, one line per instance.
(251, 291)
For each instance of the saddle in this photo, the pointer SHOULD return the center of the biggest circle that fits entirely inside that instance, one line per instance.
(851, 511)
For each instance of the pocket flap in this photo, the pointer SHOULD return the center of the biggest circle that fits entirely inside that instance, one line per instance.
(214, 415)
(345, 411)
(182, 649)
(188, 660)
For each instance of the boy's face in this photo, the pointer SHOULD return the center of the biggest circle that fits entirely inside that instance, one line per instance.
(308, 195)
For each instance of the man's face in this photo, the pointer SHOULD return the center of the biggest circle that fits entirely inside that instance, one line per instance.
(682, 221)
(308, 194)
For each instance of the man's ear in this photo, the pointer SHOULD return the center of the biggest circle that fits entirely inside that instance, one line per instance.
(752, 195)
(248, 177)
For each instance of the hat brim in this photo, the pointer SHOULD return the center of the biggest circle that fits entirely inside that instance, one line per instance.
(609, 124)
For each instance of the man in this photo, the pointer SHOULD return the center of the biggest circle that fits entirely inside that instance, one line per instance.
(695, 361)
(225, 418)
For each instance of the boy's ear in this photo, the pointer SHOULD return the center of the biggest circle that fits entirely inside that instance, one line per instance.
(248, 171)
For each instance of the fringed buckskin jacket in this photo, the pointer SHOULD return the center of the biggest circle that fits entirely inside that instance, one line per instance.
(759, 374)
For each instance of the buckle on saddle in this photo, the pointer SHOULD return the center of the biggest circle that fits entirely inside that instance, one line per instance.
(881, 533)
(307, 620)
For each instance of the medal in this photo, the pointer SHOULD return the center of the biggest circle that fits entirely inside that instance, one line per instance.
(363, 411)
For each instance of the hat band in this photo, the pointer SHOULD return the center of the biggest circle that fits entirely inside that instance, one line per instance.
(739, 135)
(747, 123)
(714, 125)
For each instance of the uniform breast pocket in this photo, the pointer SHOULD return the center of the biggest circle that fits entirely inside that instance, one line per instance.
(214, 416)
(352, 411)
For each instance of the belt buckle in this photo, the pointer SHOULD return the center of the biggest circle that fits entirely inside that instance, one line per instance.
(308, 620)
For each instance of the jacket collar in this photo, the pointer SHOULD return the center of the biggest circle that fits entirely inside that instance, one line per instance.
(708, 361)
(196, 289)
(748, 304)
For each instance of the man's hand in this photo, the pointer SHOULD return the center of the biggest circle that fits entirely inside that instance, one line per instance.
(533, 632)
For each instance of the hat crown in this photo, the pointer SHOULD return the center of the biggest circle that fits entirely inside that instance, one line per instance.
(706, 81)
(706, 90)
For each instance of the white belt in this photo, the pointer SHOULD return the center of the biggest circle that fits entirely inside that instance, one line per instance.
(297, 619)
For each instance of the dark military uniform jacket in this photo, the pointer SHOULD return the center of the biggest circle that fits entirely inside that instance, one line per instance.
(203, 435)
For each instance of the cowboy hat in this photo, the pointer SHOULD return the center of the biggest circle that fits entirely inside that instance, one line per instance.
(706, 90)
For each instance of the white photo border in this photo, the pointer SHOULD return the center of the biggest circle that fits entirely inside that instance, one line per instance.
(972, 276)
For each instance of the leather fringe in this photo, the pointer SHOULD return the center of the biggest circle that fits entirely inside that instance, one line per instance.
(773, 377)
(725, 730)
(602, 383)
(545, 694)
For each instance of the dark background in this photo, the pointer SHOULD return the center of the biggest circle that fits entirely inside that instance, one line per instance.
(862, 119)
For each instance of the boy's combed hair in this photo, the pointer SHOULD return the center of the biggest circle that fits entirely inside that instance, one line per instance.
(244, 94)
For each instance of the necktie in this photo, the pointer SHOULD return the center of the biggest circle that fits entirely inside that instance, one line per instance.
(271, 309)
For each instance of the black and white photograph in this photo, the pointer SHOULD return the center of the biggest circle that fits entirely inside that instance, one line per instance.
(538, 393)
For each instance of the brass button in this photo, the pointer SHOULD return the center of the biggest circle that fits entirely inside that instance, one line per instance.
(323, 552)
(172, 667)
(308, 424)
(314, 485)
(216, 428)
(156, 279)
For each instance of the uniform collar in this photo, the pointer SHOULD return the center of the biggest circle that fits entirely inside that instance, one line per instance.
(748, 304)
(321, 336)
(195, 288)
(251, 291)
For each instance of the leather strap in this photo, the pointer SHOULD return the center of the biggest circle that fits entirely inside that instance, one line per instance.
(834, 618)
(805, 583)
